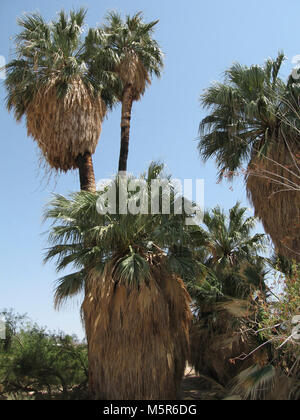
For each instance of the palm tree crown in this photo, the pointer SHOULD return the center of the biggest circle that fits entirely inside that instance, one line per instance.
(229, 239)
(244, 114)
(130, 245)
(231, 255)
(252, 121)
(127, 48)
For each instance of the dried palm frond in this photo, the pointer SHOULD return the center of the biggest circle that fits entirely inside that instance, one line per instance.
(273, 187)
(55, 82)
(138, 337)
(218, 340)
(132, 72)
(67, 127)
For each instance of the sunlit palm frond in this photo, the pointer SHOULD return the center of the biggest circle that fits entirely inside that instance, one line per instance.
(131, 245)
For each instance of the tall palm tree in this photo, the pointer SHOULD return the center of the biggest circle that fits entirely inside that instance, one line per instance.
(128, 49)
(52, 85)
(136, 307)
(231, 249)
(252, 122)
(235, 274)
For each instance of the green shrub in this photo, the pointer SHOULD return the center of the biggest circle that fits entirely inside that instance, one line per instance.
(36, 362)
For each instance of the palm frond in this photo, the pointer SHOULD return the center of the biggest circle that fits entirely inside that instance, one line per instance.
(255, 382)
(69, 286)
(131, 245)
(132, 270)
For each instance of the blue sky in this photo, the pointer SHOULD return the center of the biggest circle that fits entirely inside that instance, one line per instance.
(200, 40)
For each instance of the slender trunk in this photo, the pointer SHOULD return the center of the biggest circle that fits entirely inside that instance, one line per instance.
(87, 183)
(86, 172)
(127, 100)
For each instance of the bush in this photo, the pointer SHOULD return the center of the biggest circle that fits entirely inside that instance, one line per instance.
(36, 362)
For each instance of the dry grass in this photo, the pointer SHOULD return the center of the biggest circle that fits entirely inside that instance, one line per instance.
(270, 187)
(138, 338)
(68, 127)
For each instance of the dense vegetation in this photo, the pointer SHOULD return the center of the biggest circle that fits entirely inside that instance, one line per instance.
(244, 336)
(38, 364)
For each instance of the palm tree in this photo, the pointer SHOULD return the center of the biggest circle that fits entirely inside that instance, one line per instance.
(252, 122)
(52, 85)
(235, 274)
(231, 249)
(128, 49)
(136, 307)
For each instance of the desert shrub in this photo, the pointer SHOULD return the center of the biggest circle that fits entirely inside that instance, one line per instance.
(34, 361)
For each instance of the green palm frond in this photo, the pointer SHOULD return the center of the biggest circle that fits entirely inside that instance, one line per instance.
(132, 270)
(68, 286)
(54, 51)
(231, 254)
(111, 43)
(130, 245)
(255, 382)
(245, 114)
(230, 237)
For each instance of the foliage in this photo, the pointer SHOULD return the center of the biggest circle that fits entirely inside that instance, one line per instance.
(277, 323)
(51, 82)
(128, 244)
(244, 113)
(230, 255)
(126, 47)
(50, 51)
(39, 363)
(280, 378)
(130, 265)
(253, 121)
(224, 302)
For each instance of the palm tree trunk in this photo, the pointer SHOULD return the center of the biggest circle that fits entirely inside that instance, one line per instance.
(86, 172)
(138, 338)
(127, 101)
(87, 183)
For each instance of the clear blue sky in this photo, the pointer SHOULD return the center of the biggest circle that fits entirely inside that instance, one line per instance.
(200, 39)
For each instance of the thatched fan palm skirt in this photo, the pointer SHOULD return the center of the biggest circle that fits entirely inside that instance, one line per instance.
(65, 128)
(138, 338)
(272, 189)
